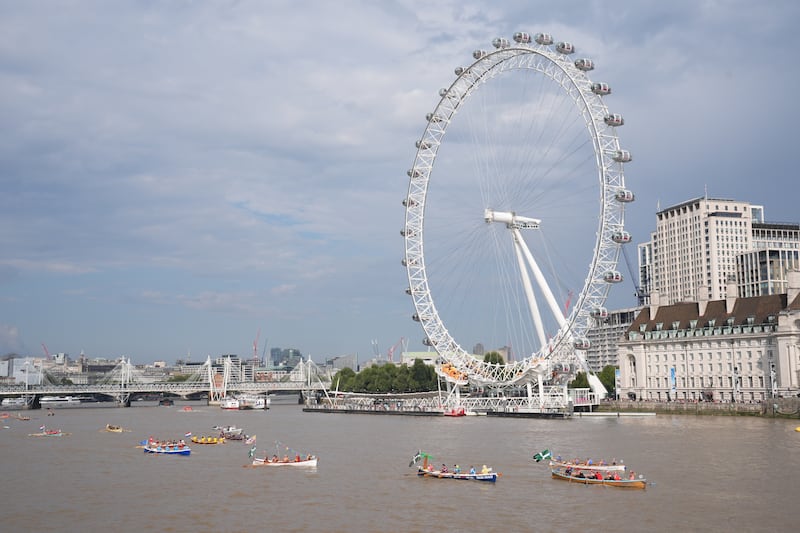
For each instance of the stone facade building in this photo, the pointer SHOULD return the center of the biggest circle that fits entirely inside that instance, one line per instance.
(731, 349)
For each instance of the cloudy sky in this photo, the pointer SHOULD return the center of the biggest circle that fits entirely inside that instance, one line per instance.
(183, 177)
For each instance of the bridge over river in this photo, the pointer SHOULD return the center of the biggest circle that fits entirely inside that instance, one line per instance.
(124, 382)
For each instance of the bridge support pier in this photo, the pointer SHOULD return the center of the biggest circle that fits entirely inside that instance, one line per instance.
(123, 400)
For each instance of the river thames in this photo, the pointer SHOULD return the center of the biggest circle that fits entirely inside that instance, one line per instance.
(705, 473)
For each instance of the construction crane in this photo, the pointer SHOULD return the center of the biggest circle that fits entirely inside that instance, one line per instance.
(255, 345)
(390, 353)
(46, 351)
(375, 348)
(634, 278)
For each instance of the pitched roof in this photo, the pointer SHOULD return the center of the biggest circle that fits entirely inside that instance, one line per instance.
(760, 308)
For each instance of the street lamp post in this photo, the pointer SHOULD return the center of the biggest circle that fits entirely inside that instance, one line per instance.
(736, 389)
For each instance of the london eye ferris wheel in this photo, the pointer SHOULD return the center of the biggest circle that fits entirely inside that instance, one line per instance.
(514, 215)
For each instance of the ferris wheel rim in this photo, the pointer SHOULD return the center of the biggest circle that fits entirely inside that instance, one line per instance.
(486, 66)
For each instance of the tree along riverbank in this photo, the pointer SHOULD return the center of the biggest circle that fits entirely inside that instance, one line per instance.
(772, 408)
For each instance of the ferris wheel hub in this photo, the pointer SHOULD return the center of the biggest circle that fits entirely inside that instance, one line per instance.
(511, 219)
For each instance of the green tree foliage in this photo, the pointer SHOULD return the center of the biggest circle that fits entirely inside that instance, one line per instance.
(494, 357)
(388, 378)
(581, 381)
(608, 377)
(343, 379)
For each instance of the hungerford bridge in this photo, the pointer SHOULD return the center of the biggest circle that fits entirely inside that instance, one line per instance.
(124, 382)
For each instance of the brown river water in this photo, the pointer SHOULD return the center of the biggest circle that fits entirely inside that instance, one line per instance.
(705, 473)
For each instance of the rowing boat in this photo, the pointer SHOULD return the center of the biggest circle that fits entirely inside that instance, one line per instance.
(637, 483)
(478, 476)
(312, 461)
(588, 466)
(426, 470)
(208, 440)
(167, 450)
(50, 433)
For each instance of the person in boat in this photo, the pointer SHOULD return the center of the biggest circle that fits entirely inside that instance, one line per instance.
(616, 476)
(485, 470)
(309, 457)
(568, 471)
(444, 469)
(297, 458)
(632, 476)
(457, 469)
(598, 475)
(472, 470)
(274, 458)
(580, 474)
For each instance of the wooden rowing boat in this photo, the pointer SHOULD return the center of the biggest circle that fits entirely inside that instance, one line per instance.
(586, 466)
(276, 462)
(638, 483)
(426, 470)
(490, 476)
(50, 433)
(208, 440)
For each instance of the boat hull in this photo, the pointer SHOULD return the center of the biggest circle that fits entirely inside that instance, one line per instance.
(640, 483)
(490, 477)
(265, 462)
(49, 434)
(167, 451)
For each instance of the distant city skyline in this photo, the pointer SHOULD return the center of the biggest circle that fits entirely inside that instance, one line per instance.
(180, 177)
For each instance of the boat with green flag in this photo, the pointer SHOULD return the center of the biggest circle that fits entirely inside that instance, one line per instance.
(426, 469)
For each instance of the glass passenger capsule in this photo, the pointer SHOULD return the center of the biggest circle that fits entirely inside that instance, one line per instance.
(414, 173)
(522, 37)
(543, 38)
(601, 88)
(500, 42)
(624, 195)
(479, 54)
(612, 276)
(599, 312)
(581, 344)
(614, 119)
(621, 237)
(584, 64)
(432, 117)
(622, 156)
(422, 145)
(565, 48)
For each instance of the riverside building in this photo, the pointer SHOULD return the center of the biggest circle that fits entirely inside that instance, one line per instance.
(696, 244)
(720, 315)
(731, 349)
